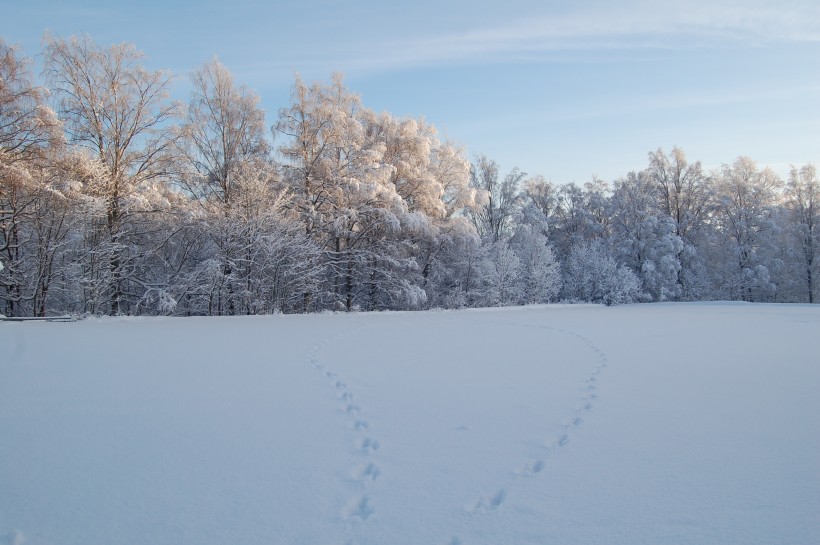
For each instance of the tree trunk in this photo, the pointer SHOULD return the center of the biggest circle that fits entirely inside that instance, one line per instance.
(349, 284)
(115, 262)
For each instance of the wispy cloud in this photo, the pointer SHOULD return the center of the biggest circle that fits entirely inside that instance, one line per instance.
(629, 26)
(585, 31)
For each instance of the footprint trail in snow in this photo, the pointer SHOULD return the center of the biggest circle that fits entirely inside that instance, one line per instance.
(493, 501)
(360, 506)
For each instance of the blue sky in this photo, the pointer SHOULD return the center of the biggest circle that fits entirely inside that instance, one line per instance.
(567, 90)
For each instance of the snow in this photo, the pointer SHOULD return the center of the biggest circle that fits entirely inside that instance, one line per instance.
(640, 424)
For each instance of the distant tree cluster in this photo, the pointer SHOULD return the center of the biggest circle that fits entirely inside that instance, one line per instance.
(116, 200)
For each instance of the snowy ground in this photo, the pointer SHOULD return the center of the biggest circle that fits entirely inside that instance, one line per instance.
(646, 424)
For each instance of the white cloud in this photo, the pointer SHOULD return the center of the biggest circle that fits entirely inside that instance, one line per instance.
(581, 32)
(629, 26)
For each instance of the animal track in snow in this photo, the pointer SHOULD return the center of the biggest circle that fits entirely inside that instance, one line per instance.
(360, 508)
(532, 468)
(590, 389)
(369, 472)
(490, 503)
(369, 445)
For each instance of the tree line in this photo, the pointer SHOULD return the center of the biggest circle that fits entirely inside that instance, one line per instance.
(114, 199)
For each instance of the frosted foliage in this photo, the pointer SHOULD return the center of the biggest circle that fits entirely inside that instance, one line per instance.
(542, 194)
(406, 146)
(468, 266)
(578, 214)
(644, 239)
(115, 199)
(497, 199)
(592, 275)
(683, 190)
(166, 302)
(118, 112)
(223, 129)
(28, 130)
(373, 191)
(803, 203)
(505, 268)
(113, 107)
(27, 124)
(266, 264)
(746, 198)
(539, 271)
(453, 172)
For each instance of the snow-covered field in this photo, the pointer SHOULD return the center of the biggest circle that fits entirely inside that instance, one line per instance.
(645, 424)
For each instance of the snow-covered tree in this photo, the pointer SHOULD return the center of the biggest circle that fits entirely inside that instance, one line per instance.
(540, 203)
(118, 112)
(592, 275)
(27, 125)
(539, 272)
(643, 238)
(502, 275)
(683, 190)
(495, 213)
(376, 193)
(107, 207)
(224, 129)
(684, 194)
(407, 147)
(578, 216)
(453, 173)
(432, 179)
(28, 134)
(803, 202)
(745, 198)
(226, 155)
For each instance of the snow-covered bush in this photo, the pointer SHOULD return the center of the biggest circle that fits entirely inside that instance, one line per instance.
(592, 275)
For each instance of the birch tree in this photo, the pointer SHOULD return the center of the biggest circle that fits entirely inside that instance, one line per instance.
(494, 215)
(223, 134)
(28, 130)
(119, 113)
(644, 238)
(684, 194)
(803, 202)
(746, 197)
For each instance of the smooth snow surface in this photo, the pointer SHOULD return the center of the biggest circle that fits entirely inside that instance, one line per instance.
(645, 424)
